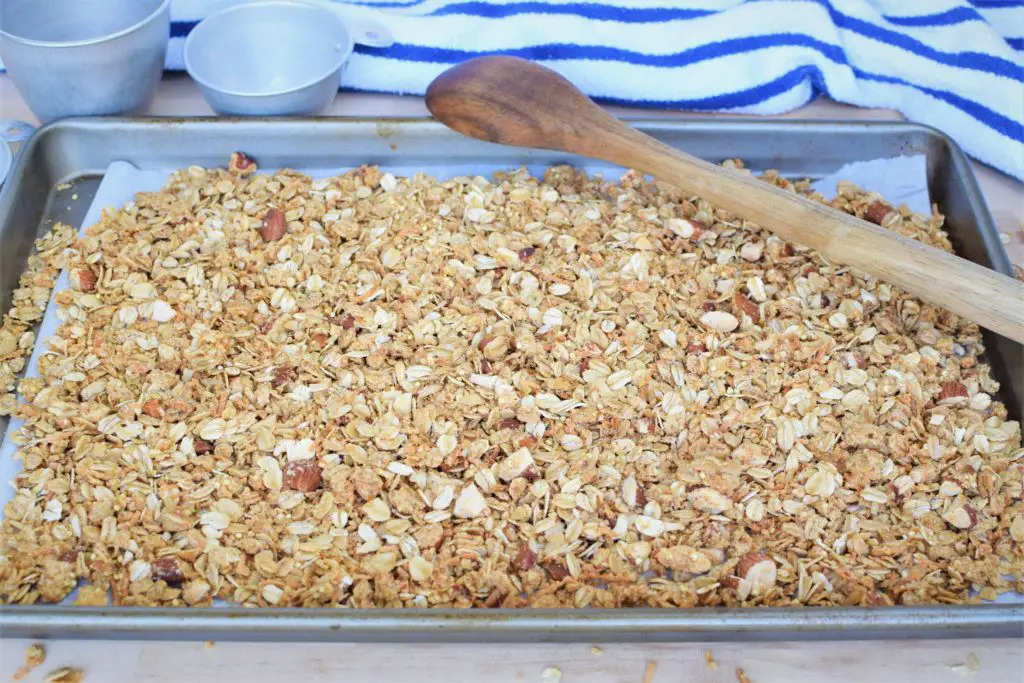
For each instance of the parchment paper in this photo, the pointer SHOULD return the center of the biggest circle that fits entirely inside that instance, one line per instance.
(899, 180)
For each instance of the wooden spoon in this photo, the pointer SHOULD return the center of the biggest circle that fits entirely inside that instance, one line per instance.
(515, 102)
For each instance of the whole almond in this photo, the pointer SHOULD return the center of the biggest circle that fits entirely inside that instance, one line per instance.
(86, 280)
(302, 475)
(167, 569)
(274, 226)
(877, 212)
(525, 559)
(556, 568)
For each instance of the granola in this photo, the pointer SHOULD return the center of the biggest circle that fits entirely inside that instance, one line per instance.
(374, 391)
(28, 303)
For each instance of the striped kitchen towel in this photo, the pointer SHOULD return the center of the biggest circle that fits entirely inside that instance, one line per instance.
(953, 64)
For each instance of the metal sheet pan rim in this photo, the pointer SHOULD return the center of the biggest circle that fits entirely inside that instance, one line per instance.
(526, 625)
(581, 625)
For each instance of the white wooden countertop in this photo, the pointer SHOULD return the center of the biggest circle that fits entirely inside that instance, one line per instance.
(931, 661)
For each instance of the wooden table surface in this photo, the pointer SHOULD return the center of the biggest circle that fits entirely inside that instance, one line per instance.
(934, 661)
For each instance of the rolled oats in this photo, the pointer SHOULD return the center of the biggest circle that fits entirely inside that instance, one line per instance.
(380, 391)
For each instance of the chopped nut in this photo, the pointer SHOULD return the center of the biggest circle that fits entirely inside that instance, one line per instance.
(751, 252)
(745, 306)
(720, 320)
(153, 408)
(515, 465)
(202, 446)
(470, 502)
(241, 163)
(757, 573)
(495, 348)
(961, 516)
(283, 375)
(557, 569)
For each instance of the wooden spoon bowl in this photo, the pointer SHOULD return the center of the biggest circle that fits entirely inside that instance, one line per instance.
(515, 102)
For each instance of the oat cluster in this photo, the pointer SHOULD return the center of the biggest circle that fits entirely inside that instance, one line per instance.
(378, 391)
(28, 304)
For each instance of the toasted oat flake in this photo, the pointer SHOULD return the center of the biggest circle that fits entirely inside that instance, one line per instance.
(508, 391)
(709, 660)
(65, 674)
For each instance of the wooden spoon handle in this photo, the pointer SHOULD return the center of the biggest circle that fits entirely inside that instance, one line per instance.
(515, 102)
(984, 296)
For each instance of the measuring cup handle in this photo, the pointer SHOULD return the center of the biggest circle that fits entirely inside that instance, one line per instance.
(360, 24)
(368, 32)
(13, 131)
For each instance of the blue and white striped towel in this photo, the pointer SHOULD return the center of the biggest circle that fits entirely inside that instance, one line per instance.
(953, 64)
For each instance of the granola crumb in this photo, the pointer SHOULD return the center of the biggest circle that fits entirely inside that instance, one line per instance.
(741, 676)
(649, 672)
(595, 650)
(969, 667)
(208, 644)
(65, 674)
(551, 674)
(91, 596)
(709, 660)
(35, 655)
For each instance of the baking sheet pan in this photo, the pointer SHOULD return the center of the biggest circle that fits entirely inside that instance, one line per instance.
(75, 151)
